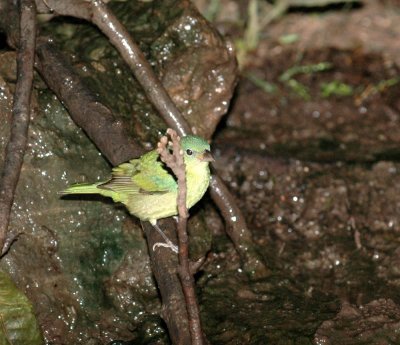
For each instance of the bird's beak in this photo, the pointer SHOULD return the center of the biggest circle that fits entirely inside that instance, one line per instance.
(206, 156)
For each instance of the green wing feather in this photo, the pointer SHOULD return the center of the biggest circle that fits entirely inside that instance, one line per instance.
(144, 175)
(152, 176)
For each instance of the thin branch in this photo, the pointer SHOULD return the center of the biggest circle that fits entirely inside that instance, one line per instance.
(133, 56)
(21, 113)
(237, 229)
(176, 163)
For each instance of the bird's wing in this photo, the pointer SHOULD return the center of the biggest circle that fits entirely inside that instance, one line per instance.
(152, 177)
(144, 175)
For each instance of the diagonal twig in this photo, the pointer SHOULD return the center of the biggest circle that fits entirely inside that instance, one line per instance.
(176, 163)
(21, 112)
(134, 57)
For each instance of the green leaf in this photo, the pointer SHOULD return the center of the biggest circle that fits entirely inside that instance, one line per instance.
(18, 324)
(261, 83)
(305, 69)
(336, 88)
(300, 89)
(288, 39)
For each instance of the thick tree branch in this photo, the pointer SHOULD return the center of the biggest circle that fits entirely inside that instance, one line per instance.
(106, 131)
(237, 228)
(21, 113)
(164, 264)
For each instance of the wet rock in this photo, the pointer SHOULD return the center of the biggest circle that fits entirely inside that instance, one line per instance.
(201, 75)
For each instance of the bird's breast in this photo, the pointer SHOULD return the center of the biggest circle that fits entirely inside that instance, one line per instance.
(197, 183)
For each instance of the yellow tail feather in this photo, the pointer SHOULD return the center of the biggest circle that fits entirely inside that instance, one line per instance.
(87, 188)
(83, 188)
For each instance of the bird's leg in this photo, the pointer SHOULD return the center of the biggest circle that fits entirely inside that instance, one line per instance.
(167, 244)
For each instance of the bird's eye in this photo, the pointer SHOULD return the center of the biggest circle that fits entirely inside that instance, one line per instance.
(189, 152)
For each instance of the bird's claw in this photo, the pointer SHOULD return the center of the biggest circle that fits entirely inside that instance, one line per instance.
(170, 245)
(167, 243)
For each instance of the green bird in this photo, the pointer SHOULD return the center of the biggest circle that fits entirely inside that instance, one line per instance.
(149, 190)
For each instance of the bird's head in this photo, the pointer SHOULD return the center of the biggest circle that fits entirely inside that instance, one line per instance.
(196, 150)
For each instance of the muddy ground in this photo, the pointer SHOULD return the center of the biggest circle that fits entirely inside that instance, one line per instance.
(316, 172)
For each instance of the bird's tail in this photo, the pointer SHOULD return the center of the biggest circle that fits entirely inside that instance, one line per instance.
(87, 188)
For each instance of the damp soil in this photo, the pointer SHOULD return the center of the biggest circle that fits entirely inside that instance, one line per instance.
(310, 148)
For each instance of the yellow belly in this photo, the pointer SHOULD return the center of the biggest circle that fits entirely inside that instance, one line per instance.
(151, 207)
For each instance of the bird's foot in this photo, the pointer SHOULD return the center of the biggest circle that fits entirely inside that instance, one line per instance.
(169, 244)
